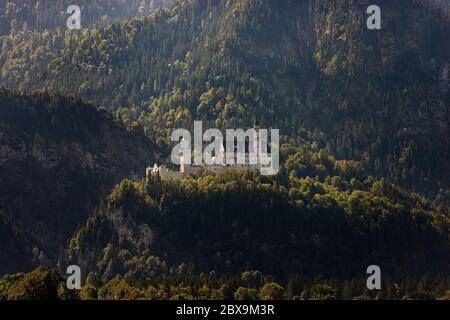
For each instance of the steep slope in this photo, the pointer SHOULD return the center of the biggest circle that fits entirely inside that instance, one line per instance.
(58, 156)
(39, 15)
(374, 96)
(235, 222)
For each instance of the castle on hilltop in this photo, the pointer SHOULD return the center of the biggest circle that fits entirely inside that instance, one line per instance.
(164, 173)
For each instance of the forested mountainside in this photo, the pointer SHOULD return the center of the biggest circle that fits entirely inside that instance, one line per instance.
(51, 14)
(242, 236)
(237, 221)
(294, 230)
(182, 285)
(364, 177)
(374, 96)
(58, 157)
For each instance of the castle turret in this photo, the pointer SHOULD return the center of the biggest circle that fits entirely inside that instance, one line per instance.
(256, 124)
(152, 173)
(256, 143)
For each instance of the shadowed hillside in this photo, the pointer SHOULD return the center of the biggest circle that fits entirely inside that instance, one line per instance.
(58, 156)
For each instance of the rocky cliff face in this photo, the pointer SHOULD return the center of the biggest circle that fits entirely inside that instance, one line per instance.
(57, 158)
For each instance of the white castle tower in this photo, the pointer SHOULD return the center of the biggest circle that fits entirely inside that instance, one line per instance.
(256, 142)
(252, 151)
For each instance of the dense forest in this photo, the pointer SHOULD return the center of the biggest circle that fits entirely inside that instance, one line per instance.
(49, 284)
(58, 156)
(369, 96)
(39, 15)
(204, 238)
(288, 227)
(364, 179)
(239, 235)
